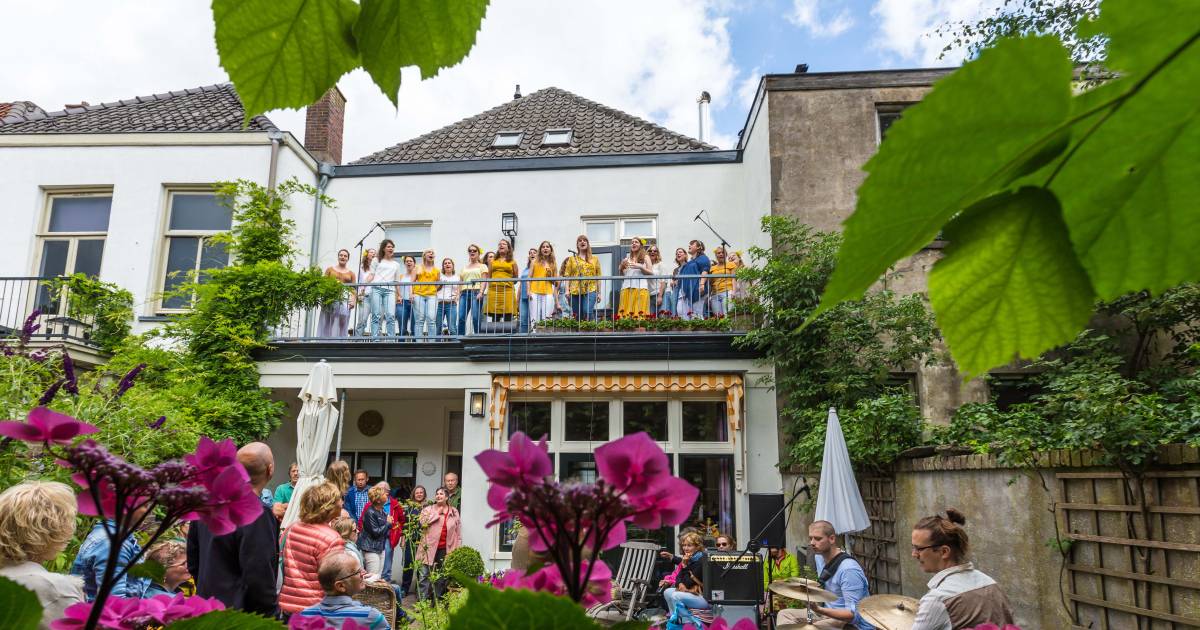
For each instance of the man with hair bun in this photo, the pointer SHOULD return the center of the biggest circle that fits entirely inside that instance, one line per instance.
(839, 574)
(959, 595)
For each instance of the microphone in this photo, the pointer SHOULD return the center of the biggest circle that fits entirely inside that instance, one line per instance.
(572, 252)
(698, 215)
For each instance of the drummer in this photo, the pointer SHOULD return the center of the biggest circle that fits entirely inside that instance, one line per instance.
(839, 574)
(960, 596)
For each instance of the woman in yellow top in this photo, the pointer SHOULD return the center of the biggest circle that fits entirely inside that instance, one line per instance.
(583, 293)
(541, 292)
(722, 288)
(425, 295)
(635, 290)
(501, 302)
(470, 300)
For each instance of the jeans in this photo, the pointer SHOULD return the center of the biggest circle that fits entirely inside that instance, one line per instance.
(584, 306)
(689, 600)
(687, 309)
(523, 321)
(361, 315)
(382, 299)
(427, 589)
(717, 304)
(425, 307)
(469, 303)
(668, 303)
(447, 313)
(387, 561)
(406, 579)
(404, 313)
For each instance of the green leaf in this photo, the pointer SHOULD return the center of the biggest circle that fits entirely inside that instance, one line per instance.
(429, 34)
(1009, 284)
(976, 129)
(1129, 189)
(149, 569)
(284, 53)
(518, 608)
(19, 607)
(227, 619)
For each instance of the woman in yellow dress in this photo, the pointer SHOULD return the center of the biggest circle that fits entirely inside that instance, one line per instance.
(501, 298)
(635, 289)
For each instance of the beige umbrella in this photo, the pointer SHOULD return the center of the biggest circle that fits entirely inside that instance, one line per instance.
(315, 427)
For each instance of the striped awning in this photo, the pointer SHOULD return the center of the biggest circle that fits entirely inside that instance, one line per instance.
(731, 384)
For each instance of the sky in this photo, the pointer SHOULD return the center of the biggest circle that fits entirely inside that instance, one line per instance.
(651, 58)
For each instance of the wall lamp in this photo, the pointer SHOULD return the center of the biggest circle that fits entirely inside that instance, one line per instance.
(478, 402)
(508, 226)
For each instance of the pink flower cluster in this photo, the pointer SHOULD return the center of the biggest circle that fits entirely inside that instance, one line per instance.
(122, 613)
(569, 522)
(297, 622)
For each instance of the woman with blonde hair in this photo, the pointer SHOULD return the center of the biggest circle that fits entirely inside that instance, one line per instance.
(373, 538)
(635, 292)
(425, 296)
(447, 300)
(37, 520)
(583, 293)
(501, 303)
(305, 543)
(541, 292)
(470, 299)
(688, 589)
(338, 473)
(362, 316)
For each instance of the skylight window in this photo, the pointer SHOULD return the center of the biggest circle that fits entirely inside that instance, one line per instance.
(506, 139)
(556, 137)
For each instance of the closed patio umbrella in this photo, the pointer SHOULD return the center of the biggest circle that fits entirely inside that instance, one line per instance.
(838, 499)
(315, 427)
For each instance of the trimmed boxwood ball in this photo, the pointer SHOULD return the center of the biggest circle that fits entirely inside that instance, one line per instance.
(464, 561)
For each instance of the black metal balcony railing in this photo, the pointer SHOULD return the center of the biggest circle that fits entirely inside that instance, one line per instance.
(442, 311)
(55, 319)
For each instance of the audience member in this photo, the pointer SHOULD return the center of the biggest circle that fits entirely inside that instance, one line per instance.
(356, 496)
(305, 543)
(171, 555)
(340, 576)
(37, 521)
(92, 560)
(442, 535)
(372, 540)
(454, 491)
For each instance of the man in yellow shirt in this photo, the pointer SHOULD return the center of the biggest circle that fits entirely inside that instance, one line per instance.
(722, 288)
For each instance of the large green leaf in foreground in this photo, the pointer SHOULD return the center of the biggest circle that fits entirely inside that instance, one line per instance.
(1009, 281)
(284, 53)
(227, 620)
(975, 130)
(429, 34)
(517, 608)
(1130, 191)
(19, 607)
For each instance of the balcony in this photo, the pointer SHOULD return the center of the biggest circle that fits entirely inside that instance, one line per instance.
(523, 319)
(50, 311)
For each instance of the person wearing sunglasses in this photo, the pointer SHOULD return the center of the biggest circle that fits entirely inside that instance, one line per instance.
(342, 577)
(725, 542)
(960, 596)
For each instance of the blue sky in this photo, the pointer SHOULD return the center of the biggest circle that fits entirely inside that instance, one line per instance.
(650, 58)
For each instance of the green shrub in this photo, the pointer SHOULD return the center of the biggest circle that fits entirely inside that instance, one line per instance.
(877, 430)
(464, 561)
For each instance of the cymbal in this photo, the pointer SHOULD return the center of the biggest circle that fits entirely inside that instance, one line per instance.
(889, 612)
(801, 592)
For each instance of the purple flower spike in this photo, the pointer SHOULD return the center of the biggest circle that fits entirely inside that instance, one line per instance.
(128, 380)
(50, 393)
(43, 425)
(157, 424)
(633, 464)
(72, 381)
(30, 326)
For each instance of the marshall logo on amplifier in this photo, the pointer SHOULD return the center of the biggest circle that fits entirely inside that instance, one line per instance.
(742, 583)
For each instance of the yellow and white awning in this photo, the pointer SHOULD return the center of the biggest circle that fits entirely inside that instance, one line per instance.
(731, 384)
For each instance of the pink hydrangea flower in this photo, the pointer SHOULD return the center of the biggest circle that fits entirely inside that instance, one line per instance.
(525, 463)
(44, 425)
(634, 464)
(211, 458)
(668, 503)
(548, 579)
(123, 613)
(742, 624)
(232, 501)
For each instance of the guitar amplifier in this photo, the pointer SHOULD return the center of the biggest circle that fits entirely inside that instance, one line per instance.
(741, 584)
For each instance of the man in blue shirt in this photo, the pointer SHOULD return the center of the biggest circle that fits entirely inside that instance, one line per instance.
(341, 577)
(691, 290)
(839, 574)
(356, 496)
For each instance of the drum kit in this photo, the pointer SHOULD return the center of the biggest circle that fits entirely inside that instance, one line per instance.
(886, 612)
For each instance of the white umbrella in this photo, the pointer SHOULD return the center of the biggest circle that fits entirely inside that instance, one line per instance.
(315, 426)
(838, 499)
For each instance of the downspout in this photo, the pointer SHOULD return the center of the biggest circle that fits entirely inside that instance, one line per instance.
(324, 174)
(276, 137)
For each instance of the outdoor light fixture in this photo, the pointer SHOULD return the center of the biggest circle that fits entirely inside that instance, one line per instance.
(477, 403)
(508, 225)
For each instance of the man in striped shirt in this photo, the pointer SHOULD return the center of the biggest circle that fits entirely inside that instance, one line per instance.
(341, 575)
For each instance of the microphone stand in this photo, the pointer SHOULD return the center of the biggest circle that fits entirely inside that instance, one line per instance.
(724, 243)
(755, 545)
(358, 267)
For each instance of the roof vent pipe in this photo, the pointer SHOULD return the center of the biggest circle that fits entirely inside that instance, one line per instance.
(702, 111)
(517, 92)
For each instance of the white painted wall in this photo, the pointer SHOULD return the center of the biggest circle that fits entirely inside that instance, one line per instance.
(465, 207)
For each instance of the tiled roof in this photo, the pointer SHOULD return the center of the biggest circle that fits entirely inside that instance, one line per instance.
(596, 130)
(19, 108)
(208, 108)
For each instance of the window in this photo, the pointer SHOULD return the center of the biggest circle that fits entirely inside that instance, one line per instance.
(886, 116)
(531, 418)
(454, 444)
(507, 139)
(610, 230)
(73, 238)
(1012, 389)
(399, 469)
(577, 467)
(713, 475)
(704, 421)
(586, 421)
(410, 238)
(649, 416)
(556, 137)
(192, 219)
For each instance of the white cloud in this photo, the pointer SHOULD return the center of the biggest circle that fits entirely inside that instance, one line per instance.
(811, 16)
(653, 64)
(907, 28)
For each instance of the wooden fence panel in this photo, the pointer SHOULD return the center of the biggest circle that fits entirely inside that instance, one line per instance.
(876, 547)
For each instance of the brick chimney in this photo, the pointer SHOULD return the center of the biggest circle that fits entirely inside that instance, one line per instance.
(323, 125)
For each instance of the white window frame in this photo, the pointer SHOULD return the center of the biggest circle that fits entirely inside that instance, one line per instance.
(168, 234)
(399, 254)
(565, 142)
(508, 133)
(674, 446)
(619, 231)
(882, 109)
(44, 234)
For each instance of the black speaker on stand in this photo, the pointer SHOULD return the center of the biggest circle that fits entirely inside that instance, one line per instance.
(764, 507)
